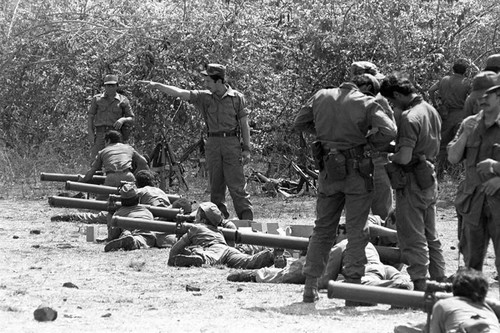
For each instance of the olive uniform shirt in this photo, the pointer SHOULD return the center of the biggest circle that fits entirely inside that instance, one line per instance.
(106, 112)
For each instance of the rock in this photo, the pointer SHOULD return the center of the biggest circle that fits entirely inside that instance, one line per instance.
(191, 288)
(70, 285)
(106, 315)
(35, 232)
(15, 237)
(45, 313)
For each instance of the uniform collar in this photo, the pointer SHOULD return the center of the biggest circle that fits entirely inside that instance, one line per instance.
(349, 86)
(117, 96)
(480, 117)
(415, 101)
(229, 92)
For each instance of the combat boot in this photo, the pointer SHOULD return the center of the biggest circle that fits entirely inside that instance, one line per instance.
(310, 290)
(420, 285)
(242, 276)
(126, 243)
(182, 260)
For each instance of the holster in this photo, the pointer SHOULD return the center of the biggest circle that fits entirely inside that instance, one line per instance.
(396, 175)
(365, 168)
(424, 174)
(335, 165)
(318, 153)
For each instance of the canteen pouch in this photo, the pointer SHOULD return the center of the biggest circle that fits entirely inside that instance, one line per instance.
(396, 175)
(335, 165)
(318, 153)
(424, 174)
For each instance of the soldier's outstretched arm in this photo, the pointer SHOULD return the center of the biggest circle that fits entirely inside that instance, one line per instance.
(169, 90)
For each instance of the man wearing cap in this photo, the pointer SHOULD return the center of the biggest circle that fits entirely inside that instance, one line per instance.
(345, 122)
(228, 144)
(116, 161)
(413, 177)
(481, 82)
(130, 239)
(453, 90)
(108, 110)
(204, 243)
(477, 143)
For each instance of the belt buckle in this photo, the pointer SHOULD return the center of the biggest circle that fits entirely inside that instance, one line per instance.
(224, 134)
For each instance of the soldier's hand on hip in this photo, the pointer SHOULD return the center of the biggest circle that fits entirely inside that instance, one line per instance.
(486, 167)
(245, 157)
(491, 186)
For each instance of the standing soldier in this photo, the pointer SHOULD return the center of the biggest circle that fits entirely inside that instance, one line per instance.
(345, 122)
(453, 90)
(413, 177)
(369, 84)
(226, 118)
(478, 198)
(108, 111)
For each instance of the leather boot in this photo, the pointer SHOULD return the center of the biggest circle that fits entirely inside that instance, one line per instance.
(311, 290)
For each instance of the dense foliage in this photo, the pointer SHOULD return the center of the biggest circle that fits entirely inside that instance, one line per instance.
(54, 53)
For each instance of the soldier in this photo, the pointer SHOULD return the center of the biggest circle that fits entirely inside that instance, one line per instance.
(481, 82)
(382, 192)
(345, 122)
(478, 198)
(453, 90)
(413, 177)
(130, 239)
(116, 159)
(108, 110)
(226, 118)
(205, 244)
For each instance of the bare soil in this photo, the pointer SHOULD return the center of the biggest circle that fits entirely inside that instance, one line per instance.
(137, 292)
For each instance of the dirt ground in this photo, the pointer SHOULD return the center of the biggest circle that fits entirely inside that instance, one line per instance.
(137, 292)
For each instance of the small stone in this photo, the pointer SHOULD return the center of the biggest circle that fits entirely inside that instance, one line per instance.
(192, 288)
(70, 285)
(45, 313)
(106, 315)
(220, 297)
(15, 237)
(239, 289)
(35, 232)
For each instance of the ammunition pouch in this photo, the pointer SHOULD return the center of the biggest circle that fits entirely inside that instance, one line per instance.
(335, 165)
(318, 153)
(397, 175)
(424, 174)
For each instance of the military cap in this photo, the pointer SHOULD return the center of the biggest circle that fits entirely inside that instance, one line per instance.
(492, 89)
(484, 80)
(493, 62)
(215, 69)
(211, 212)
(361, 67)
(111, 79)
(128, 191)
